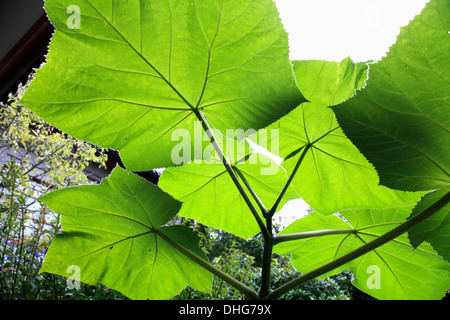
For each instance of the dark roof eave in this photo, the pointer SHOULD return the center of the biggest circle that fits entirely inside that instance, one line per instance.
(27, 54)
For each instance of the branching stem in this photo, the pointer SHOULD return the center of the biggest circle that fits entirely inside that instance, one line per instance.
(233, 175)
(270, 240)
(252, 192)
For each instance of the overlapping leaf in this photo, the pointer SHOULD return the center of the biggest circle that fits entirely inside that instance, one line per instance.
(112, 233)
(330, 83)
(436, 229)
(135, 72)
(210, 196)
(401, 120)
(333, 175)
(395, 270)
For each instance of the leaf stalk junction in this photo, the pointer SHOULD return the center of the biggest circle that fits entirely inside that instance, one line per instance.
(270, 240)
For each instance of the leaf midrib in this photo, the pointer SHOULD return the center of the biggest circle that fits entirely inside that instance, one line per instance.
(112, 244)
(205, 184)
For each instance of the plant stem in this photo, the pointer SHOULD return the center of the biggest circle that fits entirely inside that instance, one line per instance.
(252, 192)
(266, 268)
(248, 292)
(232, 174)
(372, 245)
(310, 234)
(273, 210)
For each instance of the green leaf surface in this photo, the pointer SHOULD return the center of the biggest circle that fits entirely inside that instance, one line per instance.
(210, 197)
(395, 270)
(333, 175)
(435, 230)
(111, 233)
(135, 72)
(401, 120)
(330, 83)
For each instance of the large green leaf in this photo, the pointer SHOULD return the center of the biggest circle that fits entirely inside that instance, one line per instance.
(333, 175)
(210, 196)
(112, 233)
(401, 120)
(135, 72)
(436, 229)
(395, 270)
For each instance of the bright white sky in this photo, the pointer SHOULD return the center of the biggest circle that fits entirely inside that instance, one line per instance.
(335, 29)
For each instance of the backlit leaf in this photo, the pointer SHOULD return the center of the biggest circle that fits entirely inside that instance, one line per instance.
(395, 270)
(436, 229)
(210, 196)
(334, 175)
(111, 233)
(135, 72)
(401, 120)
